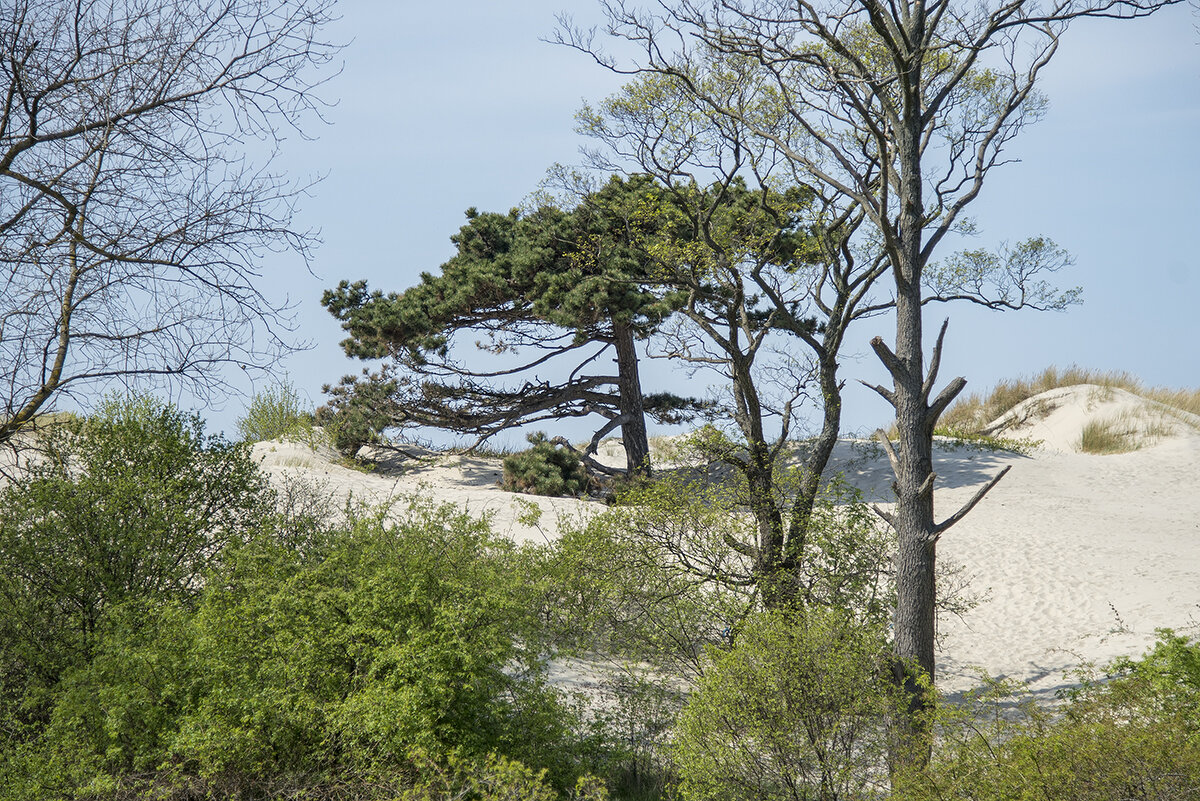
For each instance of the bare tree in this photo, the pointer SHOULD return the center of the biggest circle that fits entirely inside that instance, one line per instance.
(765, 262)
(779, 263)
(131, 218)
(901, 109)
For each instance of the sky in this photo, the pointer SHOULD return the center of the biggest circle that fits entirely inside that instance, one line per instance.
(441, 107)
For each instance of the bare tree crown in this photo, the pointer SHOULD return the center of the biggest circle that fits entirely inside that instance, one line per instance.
(131, 217)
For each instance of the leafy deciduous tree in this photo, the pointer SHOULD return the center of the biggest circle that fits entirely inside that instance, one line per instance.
(775, 264)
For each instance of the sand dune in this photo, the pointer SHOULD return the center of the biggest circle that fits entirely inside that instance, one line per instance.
(1057, 418)
(1080, 557)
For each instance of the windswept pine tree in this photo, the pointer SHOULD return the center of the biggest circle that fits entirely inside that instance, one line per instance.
(547, 292)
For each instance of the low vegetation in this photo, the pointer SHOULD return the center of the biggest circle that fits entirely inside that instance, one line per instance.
(172, 627)
(1134, 733)
(799, 701)
(279, 413)
(276, 412)
(166, 632)
(546, 468)
(1126, 432)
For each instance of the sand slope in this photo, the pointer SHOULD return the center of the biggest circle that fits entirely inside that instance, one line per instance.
(468, 481)
(1081, 557)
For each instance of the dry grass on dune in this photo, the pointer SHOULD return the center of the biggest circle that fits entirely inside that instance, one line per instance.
(972, 413)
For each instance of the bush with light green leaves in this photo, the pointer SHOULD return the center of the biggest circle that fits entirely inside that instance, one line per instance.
(797, 708)
(1133, 734)
(168, 633)
(276, 412)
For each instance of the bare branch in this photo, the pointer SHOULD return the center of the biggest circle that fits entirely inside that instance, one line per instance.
(893, 365)
(942, 527)
(944, 399)
(882, 436)
(884, 392)
(935, 361)
(131, 223)
(741, 547)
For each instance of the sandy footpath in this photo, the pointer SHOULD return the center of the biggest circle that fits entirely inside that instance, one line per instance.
(1078, 557)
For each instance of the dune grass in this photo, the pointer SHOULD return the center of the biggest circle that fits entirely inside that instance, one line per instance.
(1126, 432)
(971, 414)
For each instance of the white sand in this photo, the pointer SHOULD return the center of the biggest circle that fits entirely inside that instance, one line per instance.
(468, 481)
(1069, 547)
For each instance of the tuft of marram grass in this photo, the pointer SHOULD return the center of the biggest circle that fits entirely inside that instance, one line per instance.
(1129, 431)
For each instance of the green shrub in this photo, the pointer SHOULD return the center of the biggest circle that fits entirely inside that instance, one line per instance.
(133, 504)
(1134, 735)
(379, 638)
(797, 708)
(276, 412)
(544, 469)
(165, 632)
(314, 668)
(104, 541)
(1171, 668)
(493, 778)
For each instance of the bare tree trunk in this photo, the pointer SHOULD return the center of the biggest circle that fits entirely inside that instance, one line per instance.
(916, 553)
(629, 387)
(816, 461)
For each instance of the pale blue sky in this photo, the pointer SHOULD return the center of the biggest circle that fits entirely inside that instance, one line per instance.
(457, 105)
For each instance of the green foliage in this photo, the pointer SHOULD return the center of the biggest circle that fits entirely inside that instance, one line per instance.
(112, 718)
(166, 633)
(839, 558)
(984, 443)
(659, 582)
(378, 639)
(313, 663)
(125, 509)
(358, 412)
(536, 285)
(623, 593)
(1124, 738)
(494, 778)
(796, 708)
(276, 412)
(1009, 277)
(576, 269)
(546, 468)
(1171, 668)
(638, 715)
